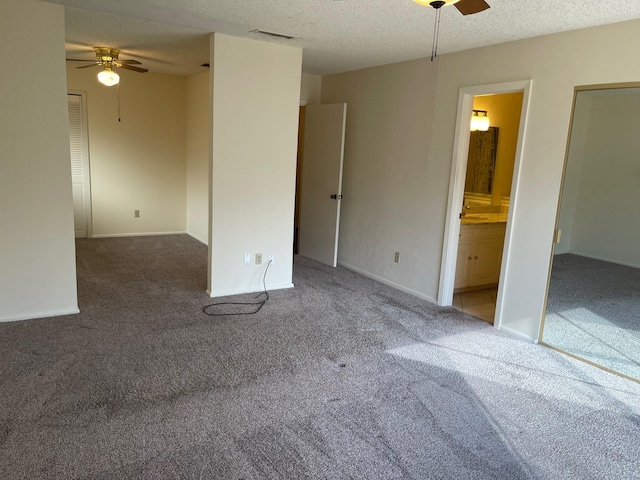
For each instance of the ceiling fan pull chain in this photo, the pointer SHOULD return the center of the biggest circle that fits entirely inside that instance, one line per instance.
(436, 29)
(119, 119)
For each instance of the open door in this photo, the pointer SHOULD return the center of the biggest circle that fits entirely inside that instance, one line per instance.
(321, 183)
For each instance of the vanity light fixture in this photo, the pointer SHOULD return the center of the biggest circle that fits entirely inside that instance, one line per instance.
(479, 121)
(108, 77)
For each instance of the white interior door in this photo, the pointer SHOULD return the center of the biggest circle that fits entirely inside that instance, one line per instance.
(321, 182)
(80, 180)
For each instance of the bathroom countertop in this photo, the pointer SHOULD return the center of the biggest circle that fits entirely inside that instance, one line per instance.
(480, 218)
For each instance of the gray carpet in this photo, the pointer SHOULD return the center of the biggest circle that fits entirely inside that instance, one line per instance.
(338, 378)
(593, 311)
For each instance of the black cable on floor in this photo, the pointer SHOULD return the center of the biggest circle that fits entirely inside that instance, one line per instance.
(257, 305)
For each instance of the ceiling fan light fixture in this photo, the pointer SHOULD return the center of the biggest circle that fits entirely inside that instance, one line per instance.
(480, 121)
(108, 77)
(441, 3)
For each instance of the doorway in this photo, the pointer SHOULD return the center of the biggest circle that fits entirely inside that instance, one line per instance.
(458, 177)
(485, 206)
(319, 182)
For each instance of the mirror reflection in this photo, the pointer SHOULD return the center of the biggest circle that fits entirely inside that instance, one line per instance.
(481, 161)
(593, 306)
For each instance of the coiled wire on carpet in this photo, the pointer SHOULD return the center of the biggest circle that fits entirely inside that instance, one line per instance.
(257, 305)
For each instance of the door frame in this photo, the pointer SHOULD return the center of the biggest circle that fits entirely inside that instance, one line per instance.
(85, 157)
(456, 187)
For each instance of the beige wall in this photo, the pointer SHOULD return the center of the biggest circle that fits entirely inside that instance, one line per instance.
(573, 171)
(37, 256)
(388, 204)
(310, 89)
(555, 63)
(138, 163)
(255, 103)
(397, 167)
(198, 129)
(504, 113)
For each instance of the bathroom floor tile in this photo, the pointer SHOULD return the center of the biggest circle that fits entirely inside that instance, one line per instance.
(479, 303)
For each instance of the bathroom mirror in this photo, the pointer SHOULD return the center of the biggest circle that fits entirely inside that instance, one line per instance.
(481, 161)
(593, 300)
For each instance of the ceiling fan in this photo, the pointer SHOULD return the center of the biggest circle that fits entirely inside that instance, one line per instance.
(108, 58)
(465, 7)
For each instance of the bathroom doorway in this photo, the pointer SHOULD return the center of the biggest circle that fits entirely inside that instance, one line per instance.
(452, 239)
(484, 210)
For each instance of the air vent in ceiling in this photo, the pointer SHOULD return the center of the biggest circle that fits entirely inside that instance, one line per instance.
(271, 34)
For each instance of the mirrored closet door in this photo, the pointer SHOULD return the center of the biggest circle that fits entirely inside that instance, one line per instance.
(593, 301)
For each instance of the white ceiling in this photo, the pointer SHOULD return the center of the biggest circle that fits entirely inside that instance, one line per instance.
(170, 36)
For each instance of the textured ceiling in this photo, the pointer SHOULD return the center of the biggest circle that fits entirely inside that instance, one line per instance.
(170, 36)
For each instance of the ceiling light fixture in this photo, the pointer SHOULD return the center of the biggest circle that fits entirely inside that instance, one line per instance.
(479, 121)
(108, 77)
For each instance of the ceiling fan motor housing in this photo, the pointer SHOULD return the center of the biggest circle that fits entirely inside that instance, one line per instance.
(107, 54)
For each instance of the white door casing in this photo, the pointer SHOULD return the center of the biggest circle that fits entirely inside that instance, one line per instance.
(321, 179)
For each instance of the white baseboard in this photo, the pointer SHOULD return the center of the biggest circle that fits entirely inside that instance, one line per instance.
(518, 334)
(144, 234)
(227, 293)
(604, 259)
(30, 316)
(387, 282)
(195, 237)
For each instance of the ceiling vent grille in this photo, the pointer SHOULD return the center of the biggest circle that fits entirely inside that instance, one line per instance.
(272, 34)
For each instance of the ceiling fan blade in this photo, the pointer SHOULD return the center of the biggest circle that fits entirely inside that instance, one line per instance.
(131, 62)
(89, 66)
(468, 7)
(131, 67)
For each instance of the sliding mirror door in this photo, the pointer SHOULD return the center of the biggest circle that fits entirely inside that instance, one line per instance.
(593, 301)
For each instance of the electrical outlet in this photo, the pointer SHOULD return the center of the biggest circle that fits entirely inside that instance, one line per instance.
(258, 259)
(136, 213)
(396, 258)
(247, 258)
(272, 259)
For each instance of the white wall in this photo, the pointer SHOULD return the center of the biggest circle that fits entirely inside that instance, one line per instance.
(606, 224)
(37, 256)
(388, 203)
(138, 163)
(198, 129)
(255, 101)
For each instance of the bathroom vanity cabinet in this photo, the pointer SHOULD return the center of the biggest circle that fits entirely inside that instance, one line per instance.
(479, 255)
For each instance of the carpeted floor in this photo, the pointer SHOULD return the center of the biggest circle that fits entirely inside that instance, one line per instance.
(593, 312)
(338, 378)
